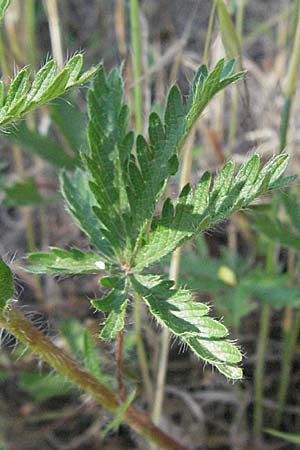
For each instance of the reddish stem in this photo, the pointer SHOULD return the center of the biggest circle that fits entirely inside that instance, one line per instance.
(119, 362)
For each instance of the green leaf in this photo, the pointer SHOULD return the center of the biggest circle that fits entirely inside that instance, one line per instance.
(80, 203)
(43, 146)
(42, 387)
(275, 230)
(70, 121)
(23, 194)
(60, 261)
(115, 303)
(6, 284)
(91, 357)
(229, 36)
(176, 309)
(114, 424)
(4, 4)
(109, 150)
(273, 290)
(46, 86)
(289, 437)
(206, 206)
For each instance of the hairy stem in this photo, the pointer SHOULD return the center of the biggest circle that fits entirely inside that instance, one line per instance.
(15, 323)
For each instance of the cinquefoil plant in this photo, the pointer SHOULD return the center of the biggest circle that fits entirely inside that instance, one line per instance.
(114, 200)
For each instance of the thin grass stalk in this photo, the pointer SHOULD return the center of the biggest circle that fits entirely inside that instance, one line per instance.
(209, 32)
(120, 27)
(234, 93)
(290, 83)
(290, 325)
(173, 275)
(264, 27)
(141, 352)
(136, 63)
(290, 328)
(262, 344)
(289, 345)
(16, 324)
(138, 110)
(54, 30)
(289, 89)
(29, 17)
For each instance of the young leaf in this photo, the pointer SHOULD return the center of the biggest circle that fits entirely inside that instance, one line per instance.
(60, 261)
(115, 303)
(6, 284)
(47, 85)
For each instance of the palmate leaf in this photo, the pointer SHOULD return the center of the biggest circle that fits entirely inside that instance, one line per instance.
(24, 96)
(60, 261)
(6, 284)
(125, 186)
(176, 309)
(207, 205)
(115, 201)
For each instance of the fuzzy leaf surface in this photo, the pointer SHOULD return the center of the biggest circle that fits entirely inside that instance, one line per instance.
(59, 261)
(114, 303)
(156, 160)
(207, 205)
(23, 96)
(176, 309)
